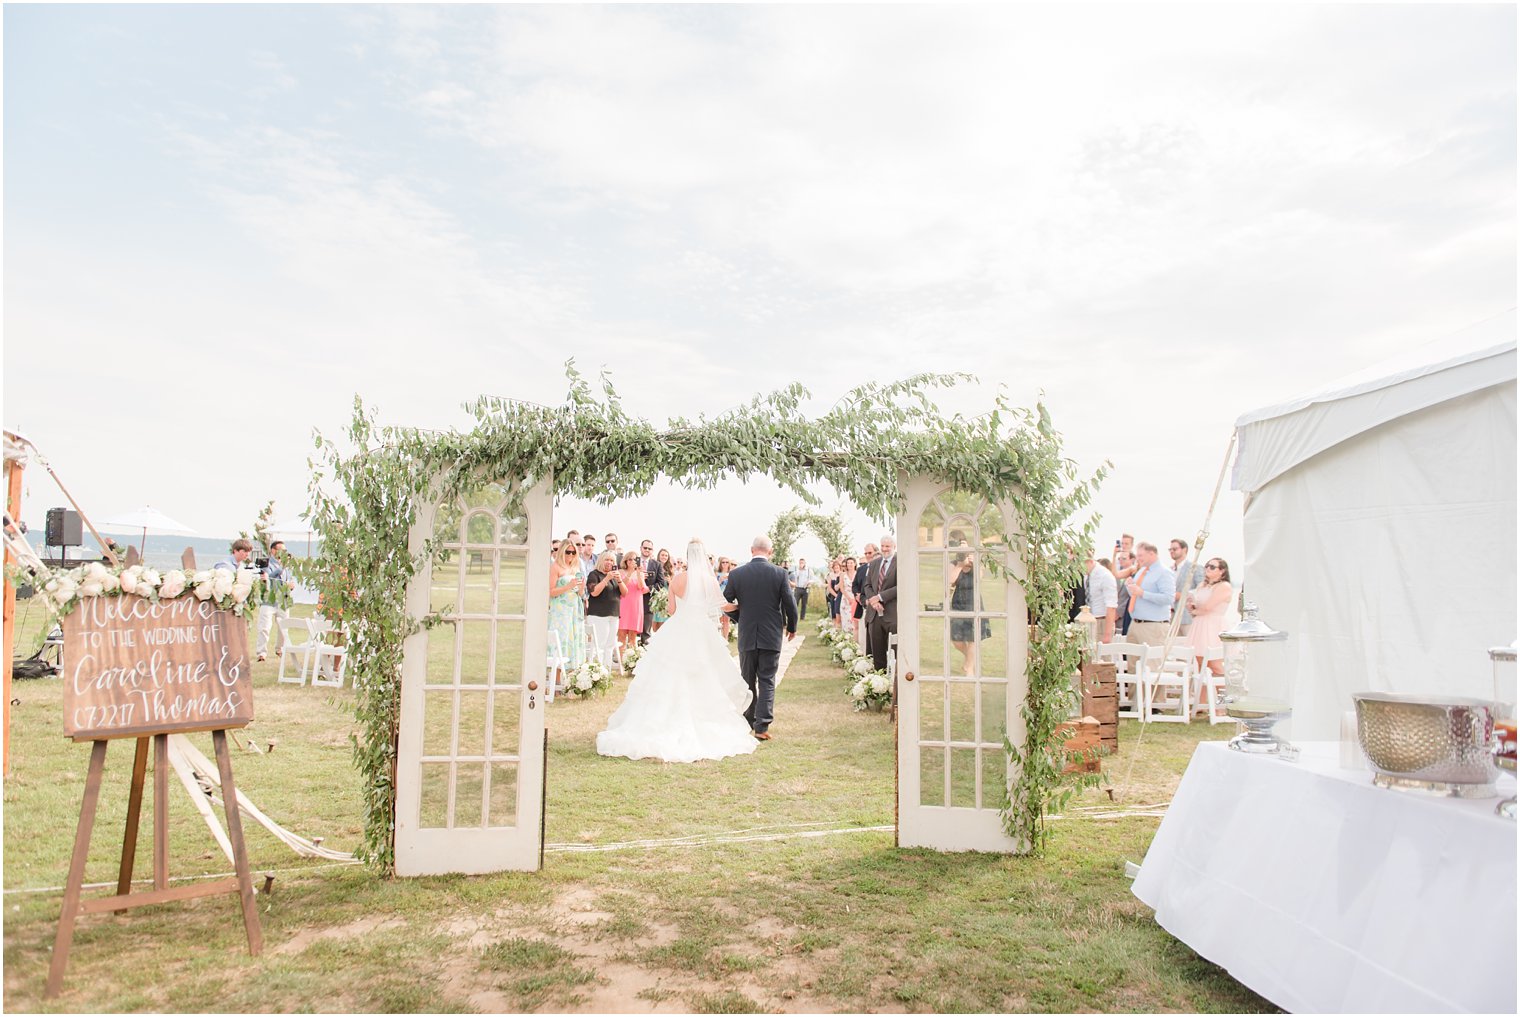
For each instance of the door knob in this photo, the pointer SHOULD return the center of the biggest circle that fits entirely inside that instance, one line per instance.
(533, 686)
(909, 676)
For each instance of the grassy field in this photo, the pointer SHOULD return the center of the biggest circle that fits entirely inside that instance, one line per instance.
(760, 883)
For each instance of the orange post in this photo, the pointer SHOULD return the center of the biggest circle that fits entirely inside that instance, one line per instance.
(13, 470)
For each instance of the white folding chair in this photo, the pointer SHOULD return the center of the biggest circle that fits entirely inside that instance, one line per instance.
(298, 641)
(1129, 676)
(329, 656)
(555, 663)
(1168, 684)
(1211, 689)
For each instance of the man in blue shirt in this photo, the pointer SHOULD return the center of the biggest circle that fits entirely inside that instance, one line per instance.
(241, 550)
(1151, 591)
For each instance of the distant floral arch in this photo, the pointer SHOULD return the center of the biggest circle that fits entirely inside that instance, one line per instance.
(827, 527)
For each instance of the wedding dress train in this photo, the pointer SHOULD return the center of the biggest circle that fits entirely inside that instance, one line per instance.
(687, 700)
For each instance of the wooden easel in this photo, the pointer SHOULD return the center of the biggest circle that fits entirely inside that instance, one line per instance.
(124, 898)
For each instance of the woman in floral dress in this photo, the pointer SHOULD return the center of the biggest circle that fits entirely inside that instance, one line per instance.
(567, 612)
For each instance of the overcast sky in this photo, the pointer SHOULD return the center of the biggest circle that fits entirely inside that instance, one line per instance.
(222, 223)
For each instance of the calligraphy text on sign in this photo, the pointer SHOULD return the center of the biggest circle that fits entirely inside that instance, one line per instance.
(132, 666)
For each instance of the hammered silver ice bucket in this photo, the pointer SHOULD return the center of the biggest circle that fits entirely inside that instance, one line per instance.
(1442, 744)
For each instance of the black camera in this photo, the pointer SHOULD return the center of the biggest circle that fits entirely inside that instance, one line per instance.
(261, 563)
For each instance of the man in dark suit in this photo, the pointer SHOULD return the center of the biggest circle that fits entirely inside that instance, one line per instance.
(761, 596)
(858, 588)
(654, 578)
(880, 596)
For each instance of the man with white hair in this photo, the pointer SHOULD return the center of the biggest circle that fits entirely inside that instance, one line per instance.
(1102, 597)
(880, 595)
(761, 595)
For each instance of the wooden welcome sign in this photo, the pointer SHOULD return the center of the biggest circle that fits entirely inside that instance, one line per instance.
(134, 667)
(145, 669)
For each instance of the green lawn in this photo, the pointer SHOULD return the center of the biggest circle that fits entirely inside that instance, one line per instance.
(781, 899)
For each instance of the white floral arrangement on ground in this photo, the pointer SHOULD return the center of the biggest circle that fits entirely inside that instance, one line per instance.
(588, 680)
(229, 589)
(844, 651)
(871, 691)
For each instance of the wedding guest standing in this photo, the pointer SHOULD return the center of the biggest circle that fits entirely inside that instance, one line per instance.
(1187, 576)
(1122, 566)
(1102, 596)
(631, 606)
(278, 584)
(847, 593)
(800, 588)
(654, 579)
(566, 610)
(721, 570)
(603, 608)
(1208, 604)
(1150, 596)
(862, 634)
(966, 633)
(832, 588)
(588, 555)
(880, 596)
(667, 573)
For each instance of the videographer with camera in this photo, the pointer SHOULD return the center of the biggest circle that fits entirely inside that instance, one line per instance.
(278, 595)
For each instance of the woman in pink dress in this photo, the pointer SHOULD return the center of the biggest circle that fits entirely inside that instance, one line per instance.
(631, 608)
(1208, 604)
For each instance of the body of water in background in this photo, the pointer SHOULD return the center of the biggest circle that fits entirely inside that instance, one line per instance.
(163, 552)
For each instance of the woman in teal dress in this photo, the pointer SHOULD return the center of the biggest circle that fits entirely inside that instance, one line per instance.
(567, 612)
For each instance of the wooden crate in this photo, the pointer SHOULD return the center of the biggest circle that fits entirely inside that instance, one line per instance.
(1080, 736)
(1100, 700)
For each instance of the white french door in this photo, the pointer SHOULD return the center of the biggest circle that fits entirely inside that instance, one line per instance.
(470, 772)
(962, 643)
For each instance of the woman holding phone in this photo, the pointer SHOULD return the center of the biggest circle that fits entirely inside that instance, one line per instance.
(566, 609)
(631, 608)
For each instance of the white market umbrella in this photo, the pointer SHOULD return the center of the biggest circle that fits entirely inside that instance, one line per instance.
(296, 529)
(149, 518)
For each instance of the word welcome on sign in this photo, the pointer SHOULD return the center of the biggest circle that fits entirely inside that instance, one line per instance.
(134, 667)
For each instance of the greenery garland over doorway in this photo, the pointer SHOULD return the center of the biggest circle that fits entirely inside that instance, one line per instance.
(829, 529)
(592, 447)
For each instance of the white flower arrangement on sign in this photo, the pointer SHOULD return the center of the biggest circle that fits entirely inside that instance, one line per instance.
(228, 589)
(871, 691)
(590, 678)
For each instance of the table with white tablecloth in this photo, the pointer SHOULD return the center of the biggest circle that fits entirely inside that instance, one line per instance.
(1325, 893)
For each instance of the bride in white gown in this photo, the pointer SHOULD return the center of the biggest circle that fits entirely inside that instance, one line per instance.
(687, 699)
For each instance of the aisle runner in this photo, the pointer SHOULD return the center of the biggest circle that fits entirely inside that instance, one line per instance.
(788, 651)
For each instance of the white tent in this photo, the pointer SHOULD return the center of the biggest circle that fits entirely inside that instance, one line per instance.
(1380, 525)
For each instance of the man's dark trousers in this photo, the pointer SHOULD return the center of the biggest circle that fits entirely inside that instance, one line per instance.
(759, 670)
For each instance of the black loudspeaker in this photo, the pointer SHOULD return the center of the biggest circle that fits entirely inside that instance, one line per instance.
(64, 528)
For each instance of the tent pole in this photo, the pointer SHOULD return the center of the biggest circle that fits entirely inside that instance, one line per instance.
(104, 547)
